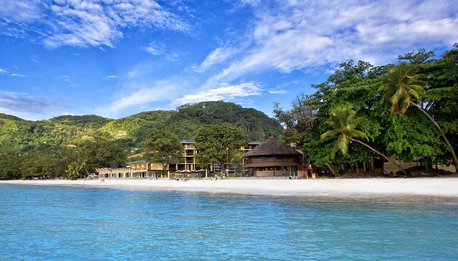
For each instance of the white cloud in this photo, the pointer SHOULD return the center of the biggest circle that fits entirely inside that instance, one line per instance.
(87, 22)
(158, 49)
(28, 106)
(277, 91)
(218, 55)
(301, 34)
(158, 91)
(18, 75)
(226, 93)
(250, 2)
(154, 49)
(5, 72)
(20, 11)
(111, 77)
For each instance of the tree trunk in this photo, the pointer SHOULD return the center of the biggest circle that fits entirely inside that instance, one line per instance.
(379, 153)
(364, 168)
(441, 132)
(372, 165)
(330, 169)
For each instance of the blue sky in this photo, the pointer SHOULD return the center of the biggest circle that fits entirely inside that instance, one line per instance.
(115, 58)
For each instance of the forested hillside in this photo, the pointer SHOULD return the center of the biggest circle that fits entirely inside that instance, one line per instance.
(74, 146)
(22, 135)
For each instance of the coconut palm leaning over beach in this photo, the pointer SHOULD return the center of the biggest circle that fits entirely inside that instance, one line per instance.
(344, 123)
(400, 87)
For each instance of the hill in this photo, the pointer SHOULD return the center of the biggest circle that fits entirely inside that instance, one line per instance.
(23, 135)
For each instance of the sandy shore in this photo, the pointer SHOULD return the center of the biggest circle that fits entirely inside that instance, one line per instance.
(374, 189)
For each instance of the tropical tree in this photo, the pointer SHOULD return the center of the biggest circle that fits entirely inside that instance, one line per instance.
(74, 169)
(401, 87)
(219, 143)
(102, 151)
(163, 147)
(343, 123)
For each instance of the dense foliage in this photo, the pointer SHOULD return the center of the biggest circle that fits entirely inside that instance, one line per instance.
(380, 97)
(73, 146)
(220, 144)
(163, 147)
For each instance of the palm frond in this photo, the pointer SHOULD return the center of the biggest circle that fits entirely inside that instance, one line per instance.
(329, 134)
(358, 134)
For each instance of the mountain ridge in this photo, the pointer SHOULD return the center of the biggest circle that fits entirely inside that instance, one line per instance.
(21, 134)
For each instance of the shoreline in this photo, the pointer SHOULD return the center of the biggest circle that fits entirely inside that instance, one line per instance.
(383, 190)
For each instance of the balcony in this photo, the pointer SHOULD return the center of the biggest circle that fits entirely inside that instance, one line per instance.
(189, 161)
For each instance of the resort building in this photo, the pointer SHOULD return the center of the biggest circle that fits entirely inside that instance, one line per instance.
(271, 158)
(147, 169)
(186, 163)
(114, 172)
(136, 169)
(250, 146)
(187, 160)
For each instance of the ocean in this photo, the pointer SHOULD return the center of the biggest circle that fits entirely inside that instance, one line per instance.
(76, 223)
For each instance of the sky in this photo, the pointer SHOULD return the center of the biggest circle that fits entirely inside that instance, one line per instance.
(115, 58)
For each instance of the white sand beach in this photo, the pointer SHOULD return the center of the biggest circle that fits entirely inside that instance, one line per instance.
(374, 189)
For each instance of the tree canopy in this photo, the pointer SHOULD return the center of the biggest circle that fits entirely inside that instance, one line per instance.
(219, 144)
(163, 147)
(419, 80)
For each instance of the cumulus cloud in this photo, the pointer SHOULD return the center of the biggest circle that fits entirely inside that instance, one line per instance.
(86, 22)
(3, 71)
(28, 106)
(226, 93)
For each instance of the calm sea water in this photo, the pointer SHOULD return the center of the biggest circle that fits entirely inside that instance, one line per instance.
(65, 223)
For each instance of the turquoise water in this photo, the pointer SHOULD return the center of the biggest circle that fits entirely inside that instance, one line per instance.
(69, 223)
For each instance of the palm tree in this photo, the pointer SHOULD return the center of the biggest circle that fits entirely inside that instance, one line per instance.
(344, 123)
(74, 169)
(400, 87)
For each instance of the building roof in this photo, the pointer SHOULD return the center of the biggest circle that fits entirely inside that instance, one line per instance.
(255, 142)
(140, 161)
(272, 146)
(188, 141)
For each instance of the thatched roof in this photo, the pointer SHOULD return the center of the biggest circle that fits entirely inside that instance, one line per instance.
(272, 146)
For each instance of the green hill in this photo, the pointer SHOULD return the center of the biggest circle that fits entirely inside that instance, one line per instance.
(85, 121)
(23, 135)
